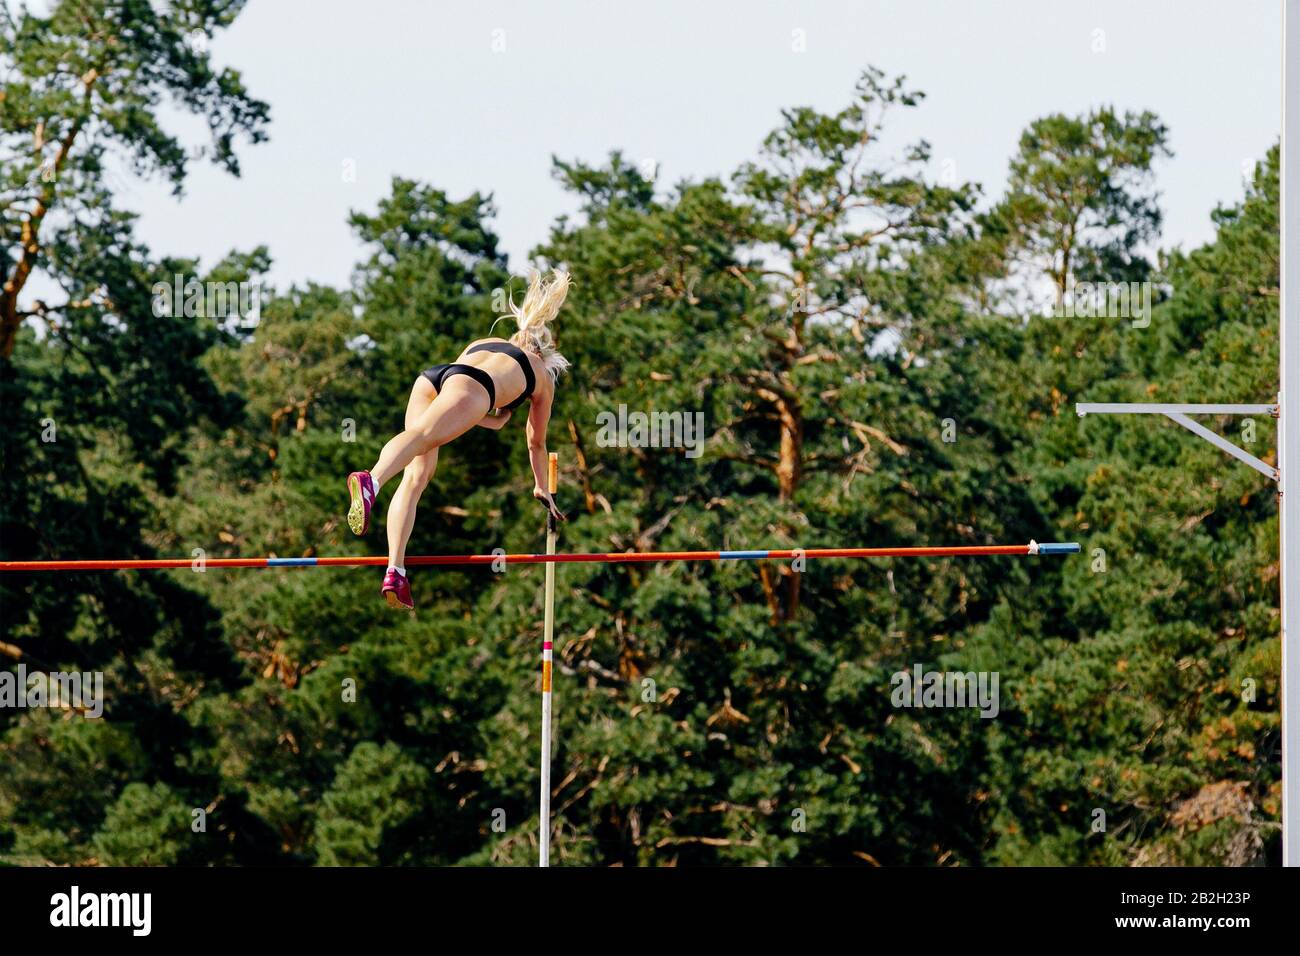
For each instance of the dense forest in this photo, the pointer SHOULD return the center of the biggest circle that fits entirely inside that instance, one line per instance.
(881, 359)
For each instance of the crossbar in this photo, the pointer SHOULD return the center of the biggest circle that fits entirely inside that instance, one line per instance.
(615, 557)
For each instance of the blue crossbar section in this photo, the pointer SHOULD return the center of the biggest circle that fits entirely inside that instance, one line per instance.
(290, 562)
(742, 555)
(1070, 547)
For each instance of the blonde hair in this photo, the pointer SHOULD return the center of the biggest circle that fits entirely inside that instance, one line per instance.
(534, 315)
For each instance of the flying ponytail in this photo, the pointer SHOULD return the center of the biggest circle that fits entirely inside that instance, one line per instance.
(534, 315)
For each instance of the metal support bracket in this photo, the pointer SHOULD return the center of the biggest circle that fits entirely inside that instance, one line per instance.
(1178, 413)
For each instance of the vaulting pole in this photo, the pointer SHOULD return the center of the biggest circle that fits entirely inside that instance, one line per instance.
(548, 636)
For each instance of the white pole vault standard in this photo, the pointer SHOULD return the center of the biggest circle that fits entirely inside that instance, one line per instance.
(1288, 436)
(1287, 412)
(548, 637)
(1288, 518)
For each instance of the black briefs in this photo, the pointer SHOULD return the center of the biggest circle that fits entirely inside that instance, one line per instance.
(440, 373)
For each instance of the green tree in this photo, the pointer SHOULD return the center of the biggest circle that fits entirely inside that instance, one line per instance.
(1080, 197)
(145, 826)
(373, 813)
(100, 394)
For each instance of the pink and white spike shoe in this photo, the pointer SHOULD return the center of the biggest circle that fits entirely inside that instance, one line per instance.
(361, 489)
(397, 590)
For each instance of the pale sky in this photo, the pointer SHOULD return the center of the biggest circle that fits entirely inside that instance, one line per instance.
(479, 96)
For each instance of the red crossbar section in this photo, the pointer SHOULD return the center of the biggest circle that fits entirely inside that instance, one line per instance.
(476, 559)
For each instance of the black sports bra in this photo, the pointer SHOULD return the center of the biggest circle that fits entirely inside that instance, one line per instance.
(505, 348)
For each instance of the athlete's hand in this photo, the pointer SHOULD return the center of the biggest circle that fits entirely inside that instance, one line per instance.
(549, 503)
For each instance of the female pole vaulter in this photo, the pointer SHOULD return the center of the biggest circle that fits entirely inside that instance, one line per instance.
(490, 375)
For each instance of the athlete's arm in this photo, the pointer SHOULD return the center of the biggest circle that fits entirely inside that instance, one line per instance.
(539, 417)
(495, 422)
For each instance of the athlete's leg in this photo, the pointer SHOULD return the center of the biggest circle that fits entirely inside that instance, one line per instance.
(401, 510)
(416, 475)
(460, 406)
